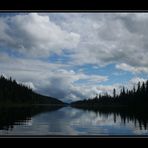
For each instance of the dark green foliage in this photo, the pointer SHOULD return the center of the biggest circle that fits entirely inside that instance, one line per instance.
(132, 98)
(13, 93)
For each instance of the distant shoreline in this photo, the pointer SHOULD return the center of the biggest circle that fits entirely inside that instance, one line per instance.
(110, 107)
(29, 105)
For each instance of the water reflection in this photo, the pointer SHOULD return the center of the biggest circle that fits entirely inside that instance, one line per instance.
(138, 116)
(10, 116)
(72, 121)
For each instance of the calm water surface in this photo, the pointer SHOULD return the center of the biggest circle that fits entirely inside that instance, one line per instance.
(67, 121)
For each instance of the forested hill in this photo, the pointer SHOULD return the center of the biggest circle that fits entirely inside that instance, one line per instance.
(137, 97)
(13, 93)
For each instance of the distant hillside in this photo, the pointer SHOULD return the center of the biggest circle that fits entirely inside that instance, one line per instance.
(13, 93)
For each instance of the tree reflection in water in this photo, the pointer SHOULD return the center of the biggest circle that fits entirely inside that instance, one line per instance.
(10, 116)
(139, 116)
(69, 118)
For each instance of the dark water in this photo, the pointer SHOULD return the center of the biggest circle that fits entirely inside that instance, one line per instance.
(68, 121)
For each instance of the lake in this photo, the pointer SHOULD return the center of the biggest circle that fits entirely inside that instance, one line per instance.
(67, 121)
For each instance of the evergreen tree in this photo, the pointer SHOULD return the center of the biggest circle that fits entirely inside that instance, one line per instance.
(129, 98)
(114, 93)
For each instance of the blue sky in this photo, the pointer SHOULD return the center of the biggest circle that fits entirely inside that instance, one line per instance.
(73, 56)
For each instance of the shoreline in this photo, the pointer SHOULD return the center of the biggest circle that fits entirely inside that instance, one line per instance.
(31, 105)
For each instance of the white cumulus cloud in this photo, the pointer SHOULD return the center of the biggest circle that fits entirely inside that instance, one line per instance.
(35, 34)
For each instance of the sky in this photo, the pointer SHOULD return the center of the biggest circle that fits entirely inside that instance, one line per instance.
(74, 56)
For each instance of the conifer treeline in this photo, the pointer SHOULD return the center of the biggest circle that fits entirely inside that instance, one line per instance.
(135, 97)
(12, 92)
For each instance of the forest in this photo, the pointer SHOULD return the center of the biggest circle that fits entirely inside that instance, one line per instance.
(136, 97)
(13, 93)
